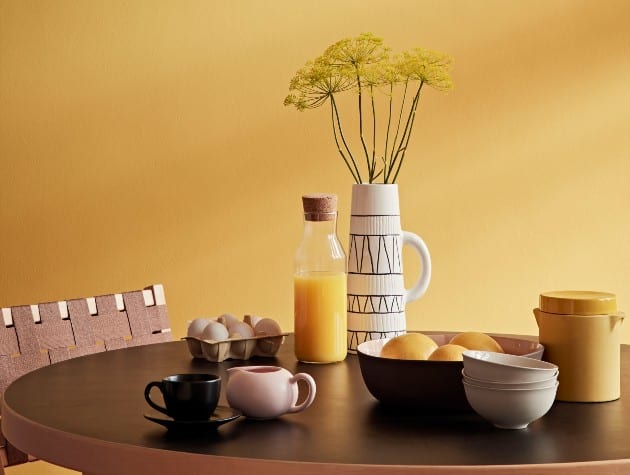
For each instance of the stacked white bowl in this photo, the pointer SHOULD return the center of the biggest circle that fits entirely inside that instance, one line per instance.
(510, 391)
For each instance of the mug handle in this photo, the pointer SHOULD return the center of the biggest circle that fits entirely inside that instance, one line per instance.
(421, 285)
(147, 396)
(310, 397)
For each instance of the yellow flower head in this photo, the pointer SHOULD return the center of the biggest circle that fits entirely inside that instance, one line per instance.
(428, 66)
(383, 73)
(314, 84)
(356, 52)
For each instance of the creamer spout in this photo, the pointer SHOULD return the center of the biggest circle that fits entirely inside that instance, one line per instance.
(238, 369)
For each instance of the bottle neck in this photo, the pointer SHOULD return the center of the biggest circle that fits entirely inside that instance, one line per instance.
(320, 228)
(320, 249)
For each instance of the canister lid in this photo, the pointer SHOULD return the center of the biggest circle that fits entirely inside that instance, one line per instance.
(578, 302)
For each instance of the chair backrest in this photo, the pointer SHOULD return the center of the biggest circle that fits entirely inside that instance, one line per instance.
(37, 335)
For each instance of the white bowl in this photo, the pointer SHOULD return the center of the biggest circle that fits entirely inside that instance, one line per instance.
(504, 368)
(545, 383)
(510, 408)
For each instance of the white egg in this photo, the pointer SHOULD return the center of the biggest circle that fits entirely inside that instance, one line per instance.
(196, 327)
(215, 331)
(251, 320)
(268, 327)
(242, 329)
(228, 319)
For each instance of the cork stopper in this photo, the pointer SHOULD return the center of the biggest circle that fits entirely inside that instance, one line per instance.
(319, 206)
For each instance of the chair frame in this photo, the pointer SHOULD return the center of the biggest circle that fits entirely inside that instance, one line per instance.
(38, 335)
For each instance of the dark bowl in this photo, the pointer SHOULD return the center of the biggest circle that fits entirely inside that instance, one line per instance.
(434, 385)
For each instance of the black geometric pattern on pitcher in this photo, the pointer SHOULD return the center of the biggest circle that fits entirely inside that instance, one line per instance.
(358, 337)
(374, 254)
(375, 304)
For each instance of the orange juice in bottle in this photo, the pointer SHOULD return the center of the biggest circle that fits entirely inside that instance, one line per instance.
(320, 285)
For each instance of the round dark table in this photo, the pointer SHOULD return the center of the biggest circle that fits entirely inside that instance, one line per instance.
(87, 414)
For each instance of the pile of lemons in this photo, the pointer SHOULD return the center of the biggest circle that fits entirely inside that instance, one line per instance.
(417, 346)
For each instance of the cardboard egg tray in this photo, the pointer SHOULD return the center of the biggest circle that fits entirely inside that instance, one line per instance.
(235, 348)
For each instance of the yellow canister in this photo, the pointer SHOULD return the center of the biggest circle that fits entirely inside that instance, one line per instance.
(581, 333)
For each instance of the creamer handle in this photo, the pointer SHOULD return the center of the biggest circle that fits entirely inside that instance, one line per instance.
(312, 389)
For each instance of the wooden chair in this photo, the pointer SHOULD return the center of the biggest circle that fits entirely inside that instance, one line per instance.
(37, 335)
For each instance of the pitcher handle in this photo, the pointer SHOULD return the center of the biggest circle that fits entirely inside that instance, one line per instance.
(421, 285)
(310, 397)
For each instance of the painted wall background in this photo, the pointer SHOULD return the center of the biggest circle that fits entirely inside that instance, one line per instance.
(146, 141)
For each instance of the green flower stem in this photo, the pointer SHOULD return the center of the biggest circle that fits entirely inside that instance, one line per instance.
(365, 150)
(332, 117)
(389, 122)
(416, 100)
(333, 103)
(406, 132)
(373, 134)
(392, 156)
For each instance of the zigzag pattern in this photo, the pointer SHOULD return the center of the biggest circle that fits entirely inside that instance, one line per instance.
(356, 338)
(379, 254)
(375, 304)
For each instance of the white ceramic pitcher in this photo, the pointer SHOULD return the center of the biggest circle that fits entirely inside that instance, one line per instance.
(376, 288)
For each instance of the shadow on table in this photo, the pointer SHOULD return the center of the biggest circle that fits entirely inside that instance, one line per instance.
(409, 418)
(469, 431)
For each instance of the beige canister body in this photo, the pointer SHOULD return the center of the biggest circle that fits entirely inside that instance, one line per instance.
(586, 347)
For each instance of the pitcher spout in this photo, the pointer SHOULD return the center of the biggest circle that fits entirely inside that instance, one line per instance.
(617, 318)
(537, 312)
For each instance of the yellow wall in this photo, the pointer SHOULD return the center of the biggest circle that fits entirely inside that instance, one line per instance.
(146, 141)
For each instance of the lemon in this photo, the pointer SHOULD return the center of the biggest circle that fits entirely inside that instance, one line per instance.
(448, 352)
(410, 346)
(477, 341)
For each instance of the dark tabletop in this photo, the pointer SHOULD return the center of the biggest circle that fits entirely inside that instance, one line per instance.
(101, 396)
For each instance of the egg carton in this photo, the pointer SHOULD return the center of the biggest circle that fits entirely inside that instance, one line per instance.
(235, 348)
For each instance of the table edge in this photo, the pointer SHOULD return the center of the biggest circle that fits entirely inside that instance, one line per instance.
(101, 457)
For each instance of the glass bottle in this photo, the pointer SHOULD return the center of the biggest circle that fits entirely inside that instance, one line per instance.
(320, 285)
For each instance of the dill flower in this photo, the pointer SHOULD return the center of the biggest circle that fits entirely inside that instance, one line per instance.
(385, 73)
(364, 64)
(356, 52)
(314, 84)
(429, 67)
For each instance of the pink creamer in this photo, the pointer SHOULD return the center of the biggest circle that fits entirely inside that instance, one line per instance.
(266, 392)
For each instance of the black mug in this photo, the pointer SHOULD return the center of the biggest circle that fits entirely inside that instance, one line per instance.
(188, 397)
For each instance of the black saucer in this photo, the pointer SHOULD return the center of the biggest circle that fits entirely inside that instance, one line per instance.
(222, 414)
